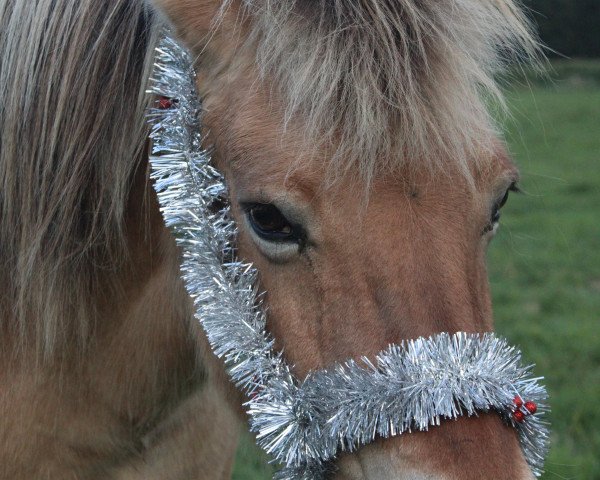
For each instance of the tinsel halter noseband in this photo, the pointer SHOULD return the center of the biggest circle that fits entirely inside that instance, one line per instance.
(305, 424)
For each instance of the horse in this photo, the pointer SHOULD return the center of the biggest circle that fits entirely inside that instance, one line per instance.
(366, 174)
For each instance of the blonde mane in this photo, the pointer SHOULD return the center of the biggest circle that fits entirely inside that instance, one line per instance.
(391, 81)
(71, 136)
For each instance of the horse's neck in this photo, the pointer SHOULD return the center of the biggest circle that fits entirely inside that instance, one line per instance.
(146, 396)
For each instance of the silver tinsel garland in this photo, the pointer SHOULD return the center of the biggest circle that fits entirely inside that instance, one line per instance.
(305, 424)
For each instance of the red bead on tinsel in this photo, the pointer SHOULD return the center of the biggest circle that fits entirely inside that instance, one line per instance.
(165, 103)
(519, 416)
(531, 407)
(518, 401)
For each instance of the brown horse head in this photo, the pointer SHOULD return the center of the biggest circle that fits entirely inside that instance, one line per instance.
(366, 180)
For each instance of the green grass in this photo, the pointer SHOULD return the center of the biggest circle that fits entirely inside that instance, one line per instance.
(561, 74)
(545, 268)
(545, 265)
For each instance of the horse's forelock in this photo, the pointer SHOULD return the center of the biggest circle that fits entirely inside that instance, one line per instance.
(391, 81)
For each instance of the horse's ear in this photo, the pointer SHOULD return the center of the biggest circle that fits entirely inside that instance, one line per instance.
(194, 20)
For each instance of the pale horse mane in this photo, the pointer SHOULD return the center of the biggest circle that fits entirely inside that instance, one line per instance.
(72, 132)
(390, 82)
(385, 81)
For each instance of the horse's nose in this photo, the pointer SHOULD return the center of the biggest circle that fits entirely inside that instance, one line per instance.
(367, 466)
(476, 448)
(358, 472)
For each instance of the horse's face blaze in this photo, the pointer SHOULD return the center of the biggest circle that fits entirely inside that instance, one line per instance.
(348, 270)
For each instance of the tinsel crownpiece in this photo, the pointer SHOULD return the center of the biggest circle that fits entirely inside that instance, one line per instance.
(305, 424)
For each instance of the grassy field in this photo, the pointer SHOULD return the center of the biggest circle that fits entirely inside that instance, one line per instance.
(545, 264)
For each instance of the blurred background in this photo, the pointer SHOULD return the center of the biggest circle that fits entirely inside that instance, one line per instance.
(545, 260)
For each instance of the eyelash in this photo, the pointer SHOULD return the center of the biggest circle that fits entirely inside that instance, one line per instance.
(498, 204)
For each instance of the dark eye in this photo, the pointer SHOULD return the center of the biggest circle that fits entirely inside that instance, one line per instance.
(270, 224)
(495, 218)
(498, 205)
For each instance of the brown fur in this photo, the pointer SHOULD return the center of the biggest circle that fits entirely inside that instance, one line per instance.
(104, 373)
(148, 401)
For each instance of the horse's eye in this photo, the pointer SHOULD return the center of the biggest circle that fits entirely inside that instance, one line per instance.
(498, 204)
(270, 224)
